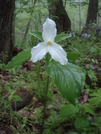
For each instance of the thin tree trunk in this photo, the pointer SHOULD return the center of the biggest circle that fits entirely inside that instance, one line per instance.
(6, 29)
(28, 24)
(59, 15)
(92, 12)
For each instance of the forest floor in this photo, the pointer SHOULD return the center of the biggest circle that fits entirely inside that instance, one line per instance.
(21, 101)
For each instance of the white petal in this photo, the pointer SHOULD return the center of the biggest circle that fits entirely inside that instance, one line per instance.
(38, 52)
(49, 30)
(57, 53)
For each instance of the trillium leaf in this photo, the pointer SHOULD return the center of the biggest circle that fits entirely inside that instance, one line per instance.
(37, 34)
(58, 38)
(19, 59)
(69, 79)
(61, 37)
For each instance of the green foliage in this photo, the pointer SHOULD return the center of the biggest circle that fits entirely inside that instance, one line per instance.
(19, 59)
(50, 94)
(97, 123)
(38, 112)
(72, 133)
(58, 38)
(69, 79)
(96, 98)
(82, 118)
(72, 56)
(67, 111)
(61, 37)
(88, 109)
(91, 75)
(37, 34)
(81, 124)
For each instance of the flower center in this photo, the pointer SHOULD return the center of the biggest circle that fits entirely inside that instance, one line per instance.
(49, 43)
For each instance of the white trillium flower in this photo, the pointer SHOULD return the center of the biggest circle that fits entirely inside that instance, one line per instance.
(49, 46)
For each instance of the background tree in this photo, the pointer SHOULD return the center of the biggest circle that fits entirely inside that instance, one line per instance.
(28, 24)
(59, 14)
(6, 28)
(92, 11)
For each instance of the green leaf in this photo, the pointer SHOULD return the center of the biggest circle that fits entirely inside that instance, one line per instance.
(61, 37)
(83, 133)
(72, 133)
(95, 101)
(97, 94)
(97, 122)
(92, 75)
(17, 98)
(19, 59)
(69, 79)
(81, 123)
(50, 94)
(58, 38)
(92, 132)
(88, 109)
(8, 89)
(92, 50)
(10, 97)
(32, 41)
(37, 34)
(73, 56)
(32, 133)
(68, 110)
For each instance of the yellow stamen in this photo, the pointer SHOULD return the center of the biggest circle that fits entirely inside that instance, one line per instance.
(49, 43)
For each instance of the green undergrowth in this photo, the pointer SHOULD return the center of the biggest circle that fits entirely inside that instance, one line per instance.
(61, 116)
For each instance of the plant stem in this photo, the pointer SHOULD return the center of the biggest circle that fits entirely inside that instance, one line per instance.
(46, 91)
(38, 76)
(44, 108)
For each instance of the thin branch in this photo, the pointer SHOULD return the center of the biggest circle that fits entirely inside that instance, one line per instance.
(21, 7)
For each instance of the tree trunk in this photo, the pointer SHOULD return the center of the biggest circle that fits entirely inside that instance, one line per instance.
(92, 12)
(28, 24)
(59, 15)
(6, 29)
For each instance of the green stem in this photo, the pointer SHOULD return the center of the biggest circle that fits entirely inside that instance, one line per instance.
(38, 74)
(44, 108)
(46, 91)
(47, 58)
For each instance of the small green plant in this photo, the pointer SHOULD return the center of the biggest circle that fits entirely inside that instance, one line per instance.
(93, 78)
(95, 99)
